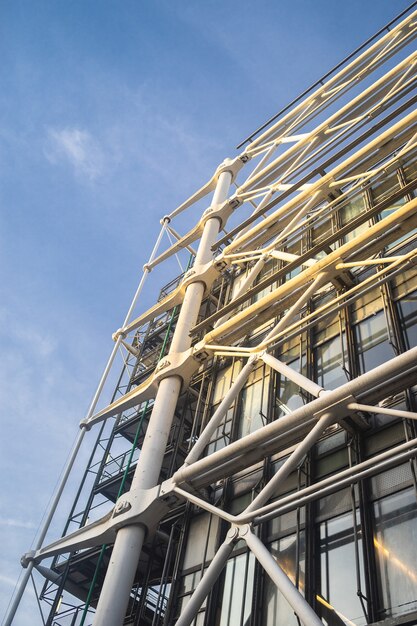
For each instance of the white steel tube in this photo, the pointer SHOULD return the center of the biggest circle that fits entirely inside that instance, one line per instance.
(383, 411)
(334, 174)
(220, 412)
(297, 378)
(371, 467)
(261, 438)
(45, 526)
(359, 65)
(206, 584)
(291, 463)
(114, 597)
(311, 273)
(286, 587)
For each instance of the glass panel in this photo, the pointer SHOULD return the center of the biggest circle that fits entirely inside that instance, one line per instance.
(408, 316)
(276, 610)
(289, 395)
(237, 591)
(221, 436)
(372, 339)
(224, 380)
(253, 408)
(254, 401)
(351, 210)
(188, 584)
(201, 540)
(395, 544)
(338, 601)
(329, 361)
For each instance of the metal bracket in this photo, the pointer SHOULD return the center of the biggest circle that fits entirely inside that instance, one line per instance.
(338, 409)
(181, 364)
(145, 507)
(221, 211)
(205, 274)
(232, 165)
(341, 411)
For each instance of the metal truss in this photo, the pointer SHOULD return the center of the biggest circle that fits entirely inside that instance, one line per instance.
(291, 180)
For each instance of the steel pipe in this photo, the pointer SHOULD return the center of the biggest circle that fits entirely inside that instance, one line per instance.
(281, 580)
(292, 462)
(206, 584)
(113, 601)
(204, 439)
(262, 440)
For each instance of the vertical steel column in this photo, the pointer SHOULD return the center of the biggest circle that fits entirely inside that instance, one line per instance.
(114, 597)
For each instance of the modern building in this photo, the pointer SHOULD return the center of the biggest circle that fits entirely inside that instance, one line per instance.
(257, 465)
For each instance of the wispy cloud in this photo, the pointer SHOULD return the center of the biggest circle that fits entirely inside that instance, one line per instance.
(78, 148)
(16, 523)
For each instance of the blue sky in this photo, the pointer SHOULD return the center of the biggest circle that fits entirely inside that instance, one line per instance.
(111, 114)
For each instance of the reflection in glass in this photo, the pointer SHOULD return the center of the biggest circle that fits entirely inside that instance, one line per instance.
(338, 572)
(349, 212)
(254, 402)
(395, 545)
(236, 604)
(408, 315)
(329, 360)
(372, 342)
(277, 611)
(289, 395)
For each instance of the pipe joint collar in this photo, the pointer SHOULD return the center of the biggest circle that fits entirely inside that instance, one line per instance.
(232, 165)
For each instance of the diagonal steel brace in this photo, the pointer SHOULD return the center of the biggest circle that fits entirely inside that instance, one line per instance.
(145, 507)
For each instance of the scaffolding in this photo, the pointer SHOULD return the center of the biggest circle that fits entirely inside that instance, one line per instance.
(271, 385)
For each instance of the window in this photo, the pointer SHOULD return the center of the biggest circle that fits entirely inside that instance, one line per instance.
(276, 609)
(349, 212)
(329, 362)
(338, 601)
(408, 317)
(372, 342)
(236, 605)
(224, 380)
(254, 401)
(289, 395)
(395, 543)
(199, 550)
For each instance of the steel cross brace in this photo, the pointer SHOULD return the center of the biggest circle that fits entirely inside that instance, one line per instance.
(241, 529)
(244, 531)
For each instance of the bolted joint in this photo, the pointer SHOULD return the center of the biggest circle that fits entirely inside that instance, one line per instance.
(165, 220)
(338, 410)
(244, 530)
(238, 531)
(119, 333)
(181, 364)
(147, 267)
(221, 211)
(232, 165)
(122, 506)
(27, 558)
(220, 263)
(205, 274)
(233, 533)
